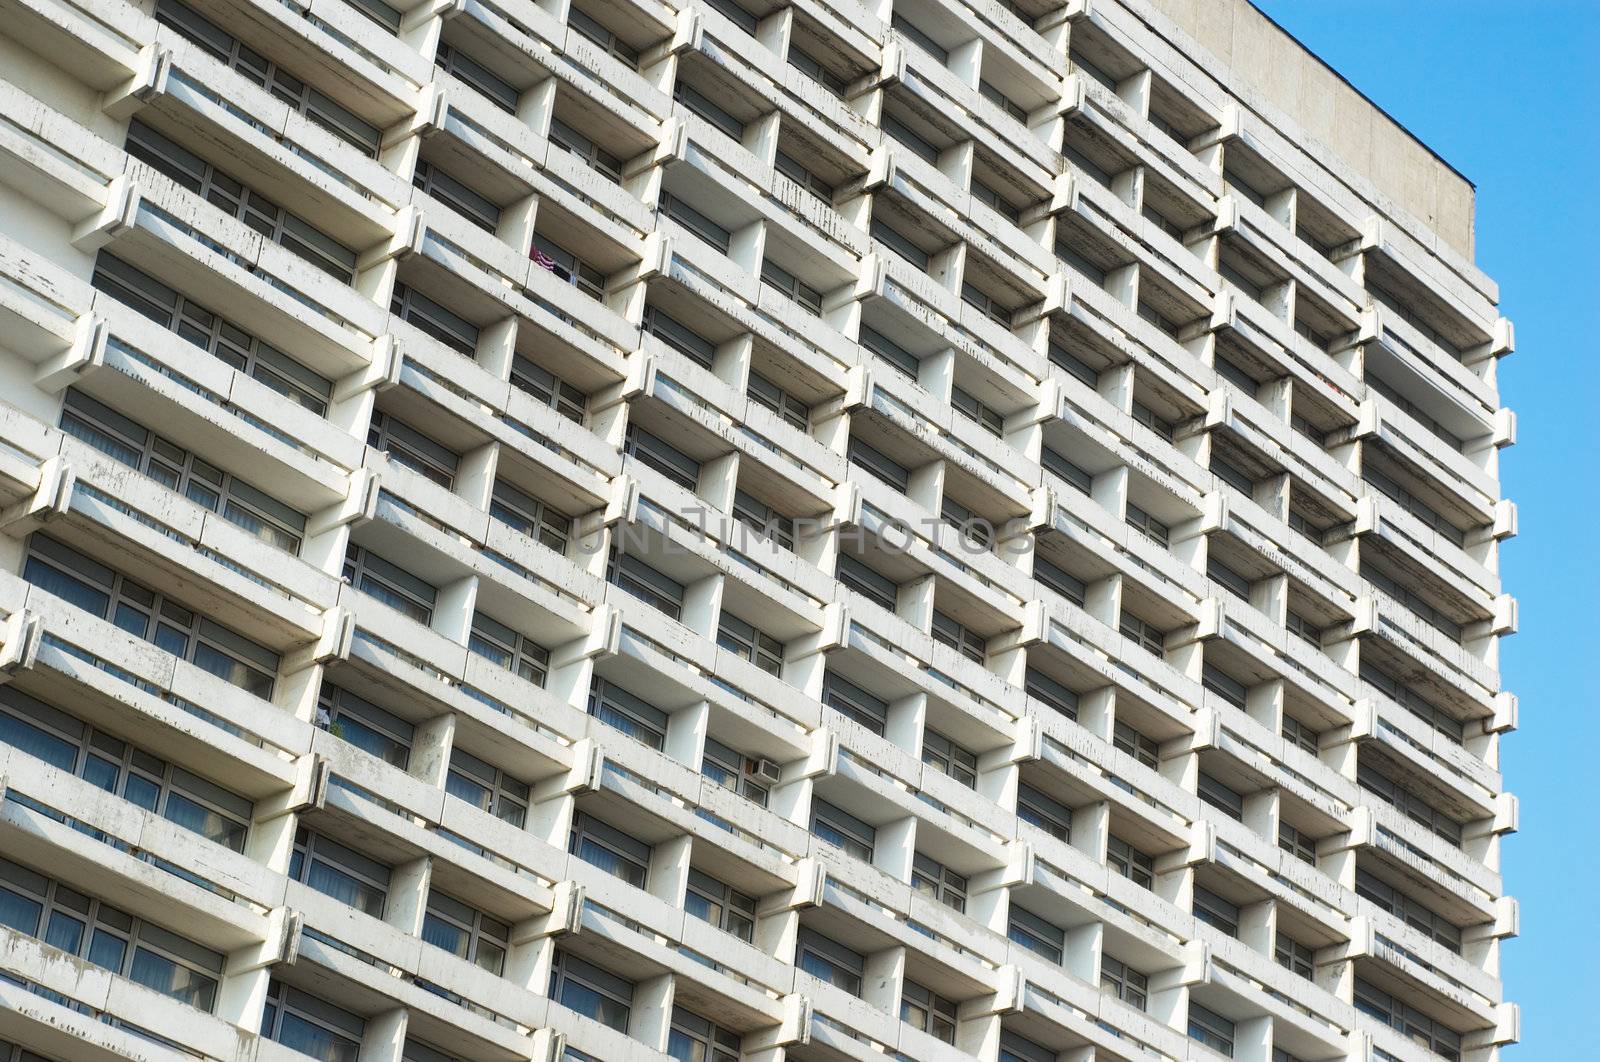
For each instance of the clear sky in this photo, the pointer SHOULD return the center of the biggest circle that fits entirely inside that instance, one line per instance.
(1509, 93)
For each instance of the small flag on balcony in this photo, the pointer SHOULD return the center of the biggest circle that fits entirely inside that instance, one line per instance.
(542, 260)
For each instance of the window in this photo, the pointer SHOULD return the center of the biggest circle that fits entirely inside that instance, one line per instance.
(968, 405)
(748, 643)
(701, 104)
(210, 487)
(1414, 914)
(466, 932)
(285, 87)
(880, 465)
(947, 757)
(974, 528)
(696, 222)
(1148, 526)
(923, 1009)
(1075, 366)
(813, 69)
(411, 449)
(487, 788)
(697, 1039)
(567, 266)
(721, 905)
(609, 42)
(506, 648)
(418, 1051)
(241, 202)
(1297, 733)
(548, 388)
(1223, 685)
(615, 706)
(498, 91)
(679, 337)
(1124, 982)
(892, 239)
(1408, 1021)
(1232, 475)
(916, 36)
(1135, 744)
(1216, 912)
(1293, 955)
(527, 514)
(1069, 254)
(947, 631)
(437, 184)
(1037, 935)
(389, 583)
(1131, 863)
(311, 1025)
(843, 830)
(1015, 1048)
(1047, 813)
(1304, 629)
(897, 356)
(853, 701)
(221, 338)
(733, 770)
(828, 960)
(1211, 1029)
(857, 576)
(799, 174)
(659, 591)
(610, 849)
(364, 725)
(1228, 579)
(663, 457)
(339, 872)
(985, 304)
(591, 154)
(591, 991)
(1412, 600)
(1146, 635)
(791, 287)
(761, 518)
(932, 878)
(1153, 420)
(1297, 844)
(152, 617)
(988, 91)
(1412, 504)
(1221, 797)
(1412, 701)
(1076, 477)
(766, 393)
(1413, 807)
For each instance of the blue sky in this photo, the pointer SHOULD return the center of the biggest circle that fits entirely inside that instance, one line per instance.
(1509, 93)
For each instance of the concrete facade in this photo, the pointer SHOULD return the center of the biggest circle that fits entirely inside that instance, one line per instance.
(641, 529)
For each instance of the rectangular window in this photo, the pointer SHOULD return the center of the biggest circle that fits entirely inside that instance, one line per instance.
(857, 576)
(110, 764)
(339, 872)
(934, 879)
(768, 394)
(582, 987)
(487, 788)
(914, 142)
(923, 1009)
(172, 628)
(1075, 366)
(1148, 526)
(880, 465)
(602, 845)
(1219, 796)
(639, 579)
(178, 470)
(761, 518)
(498, 91)
(791, 287)
(527, 514)
(662, 456)
(1299, 734)
(389, 583)
(567, 266)
(1147, 636)
(548, 388)
(1413, 807)
(609, 42)
(989, 91)
(1071, 256)
(310, 1025)
(1047, 813)
(1046, 689)
(1304, 629)
(437, 184)
(733, 770)
(1211, 1029)
(974, 528)
(900, 245)
(968, 405)
(957, 636)
(985, 304)
(1223, 685)
(1408, 1021)
(843, 830)
(897, 356)
(721, 905)
(616, 707)
(364, 725)
(1124, 982)
(1131, 863)
(745, 641)
(1076, 477)
(1297, 844)
(791, 168)
(696, 222)
(1294, 956)
(408, 447)
(591, 154)
(813, 69)
(947, 757)
(1144, 749)
(466, 932)
(679, 337)
(1036, 934)
(1228, 579)
(504, 647)
(853, 701)
(828, 960)
(1414, 914)
(696, 1039)
(701, 104)
(1216, 912)
(916, 36)
(1412, 701)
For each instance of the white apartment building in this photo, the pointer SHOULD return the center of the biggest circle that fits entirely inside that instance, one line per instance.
(739, 531)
